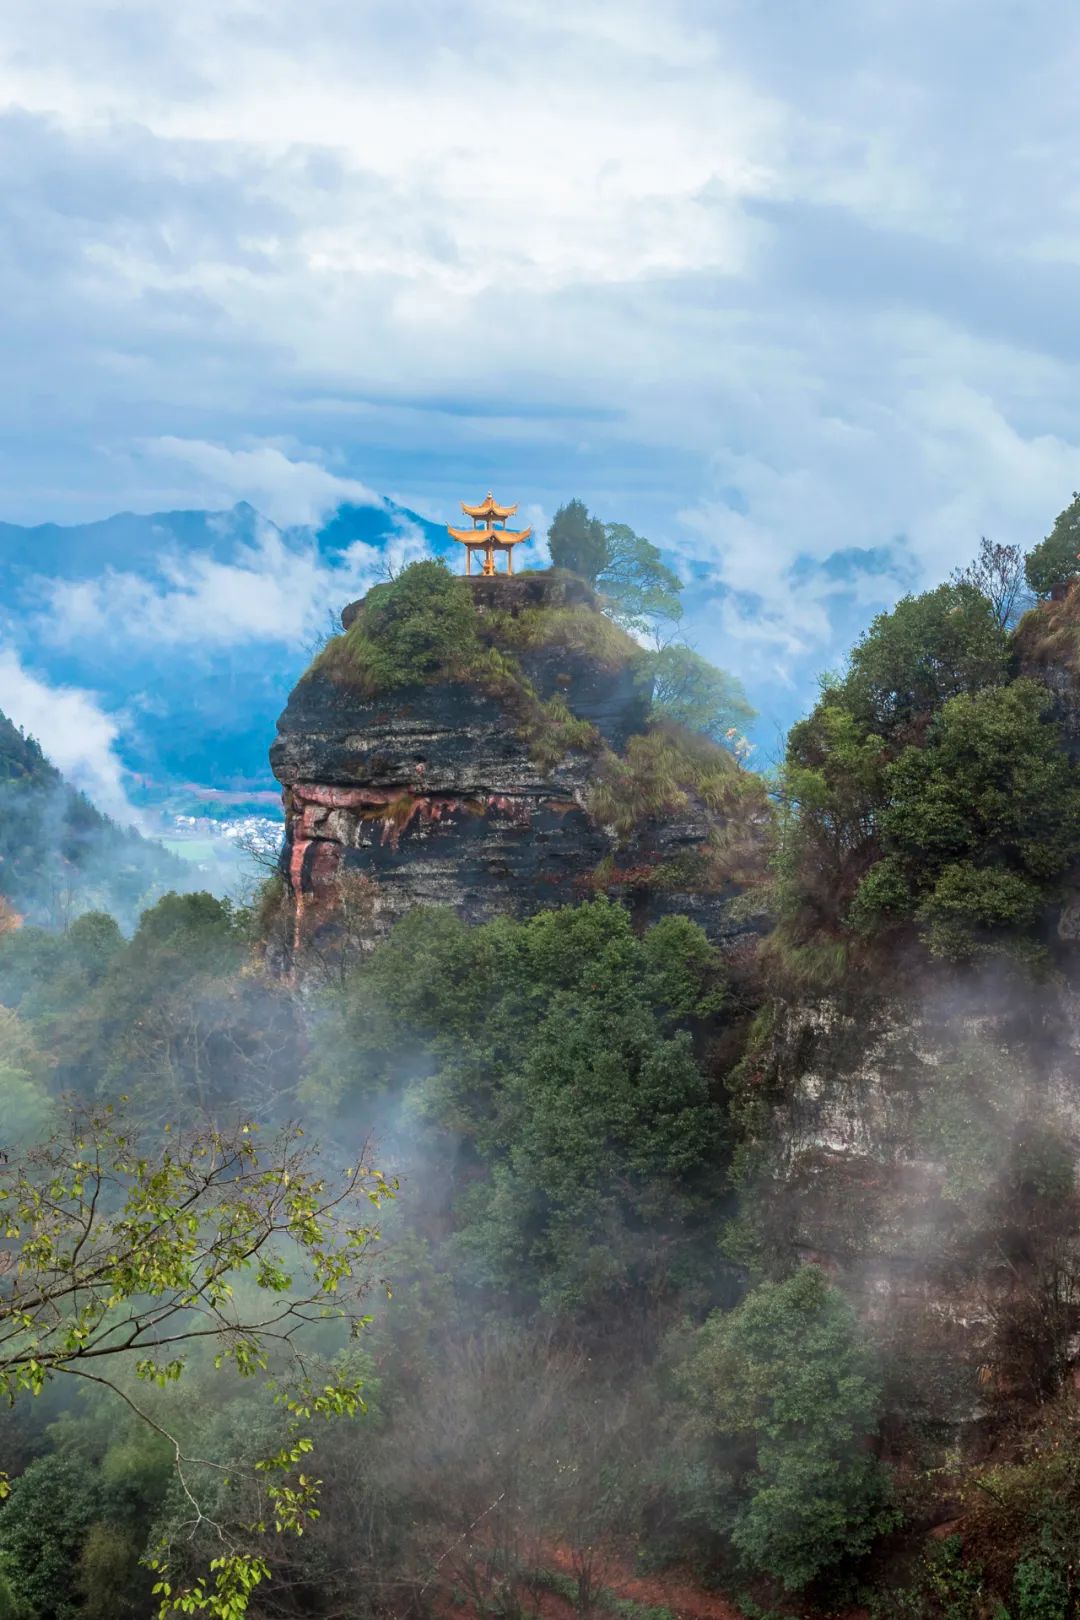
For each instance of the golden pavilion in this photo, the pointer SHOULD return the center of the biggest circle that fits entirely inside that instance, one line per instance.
(489, 533)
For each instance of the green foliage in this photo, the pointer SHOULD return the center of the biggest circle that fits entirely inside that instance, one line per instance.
(1054, 561)
(691, 692)
(42, 1526)
(58, 854)
(789, 1374)
(1041, 1591)
(25, 1105)
(977, 824)
(577, 541)
(126, 1253)
(658, 774)
(416, 627)
(555, 1047)
(928, 649)
(833, 788)
(11, 1608)
(641, 591)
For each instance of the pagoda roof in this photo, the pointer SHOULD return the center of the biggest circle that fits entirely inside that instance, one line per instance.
(489, 536)
(489, 508)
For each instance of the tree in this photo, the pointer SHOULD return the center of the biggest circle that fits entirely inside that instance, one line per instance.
(978, 824)
(25, 1106)
(998, 572)
(694, 693)
(789, 1374)
(578, 542)
(642, 591)
(928, 649)
(557, 1049)
(120, 1257)
(1054, 560)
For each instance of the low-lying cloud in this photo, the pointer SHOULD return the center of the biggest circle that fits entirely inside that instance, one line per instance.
(74, 731)
(276, 588)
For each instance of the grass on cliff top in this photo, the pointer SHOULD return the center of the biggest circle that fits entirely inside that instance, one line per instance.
(572, 627)
(426, 626)
(1050, 632)
(663, 772)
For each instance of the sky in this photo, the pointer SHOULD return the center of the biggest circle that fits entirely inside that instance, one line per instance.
(791, 286)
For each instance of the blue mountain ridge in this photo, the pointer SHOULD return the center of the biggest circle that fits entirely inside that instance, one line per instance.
(196, 716)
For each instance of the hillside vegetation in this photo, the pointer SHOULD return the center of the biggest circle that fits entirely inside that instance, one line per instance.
(59, 855)
(632, 1331)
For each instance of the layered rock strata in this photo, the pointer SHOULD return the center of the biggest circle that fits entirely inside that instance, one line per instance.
(431, 793)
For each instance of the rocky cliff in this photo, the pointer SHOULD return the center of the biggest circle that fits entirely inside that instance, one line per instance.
(474, 786)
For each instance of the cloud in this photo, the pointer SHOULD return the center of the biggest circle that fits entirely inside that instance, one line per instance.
(288, 492)
(782, 287)
(276, 588)
(75, 732)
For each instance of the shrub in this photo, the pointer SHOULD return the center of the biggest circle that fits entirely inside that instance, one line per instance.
(789, 1372)
(660, 773)
(1054, 561)
(977, 824)
(928, 649)
(412, 628)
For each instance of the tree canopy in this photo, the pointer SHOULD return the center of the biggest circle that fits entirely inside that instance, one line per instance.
(790, 1372)
(577, 541)
(642, 593)
(924, 651)
(122, 1254)
(1054, 560)
(694, 693)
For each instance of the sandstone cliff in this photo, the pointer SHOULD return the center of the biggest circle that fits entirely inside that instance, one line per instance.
(476, 788)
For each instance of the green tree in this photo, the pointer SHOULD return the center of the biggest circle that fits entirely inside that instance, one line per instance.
(25, 1105)
(578, 542)
(1054, 560)
(978, 824)
(833, 789)
(42, 1526)
(558, 1050)
(122, 1255)
(926, 650)
(642, 592)
(694, 693)
(789, 1375)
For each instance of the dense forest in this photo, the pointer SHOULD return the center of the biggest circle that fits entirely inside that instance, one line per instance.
(479, 1268)
(59, 855)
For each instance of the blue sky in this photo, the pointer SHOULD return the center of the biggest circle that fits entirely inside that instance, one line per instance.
(789, 285)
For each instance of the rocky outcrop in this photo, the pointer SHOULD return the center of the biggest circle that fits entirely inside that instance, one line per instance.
(896, 1131)
(432, 794)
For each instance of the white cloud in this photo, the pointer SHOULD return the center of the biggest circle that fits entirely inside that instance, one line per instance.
(277, 588)
(790, 271)
(75, 732)
(287, 491)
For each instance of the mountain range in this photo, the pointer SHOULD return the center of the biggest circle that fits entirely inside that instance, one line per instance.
(187, 630)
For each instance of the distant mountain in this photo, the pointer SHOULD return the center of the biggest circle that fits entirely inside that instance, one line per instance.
(59, 856)
(191, 628)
